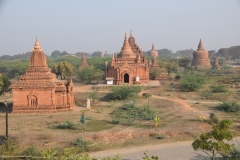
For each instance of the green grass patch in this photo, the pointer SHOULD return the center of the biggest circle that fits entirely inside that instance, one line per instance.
(98, 125)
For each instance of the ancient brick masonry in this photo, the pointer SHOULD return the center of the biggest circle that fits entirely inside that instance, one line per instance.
(200, 57)
(130, 66)
(215, 64)
(38, 90)
(153, 52)
(84, 62)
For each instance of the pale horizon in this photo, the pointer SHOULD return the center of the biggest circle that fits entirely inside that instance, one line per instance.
(88, 26)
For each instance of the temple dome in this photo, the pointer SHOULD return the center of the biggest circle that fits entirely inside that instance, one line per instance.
(37, 57)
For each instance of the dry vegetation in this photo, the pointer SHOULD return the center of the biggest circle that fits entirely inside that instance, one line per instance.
(183, 116)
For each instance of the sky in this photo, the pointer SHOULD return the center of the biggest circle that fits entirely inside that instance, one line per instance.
(99, 25)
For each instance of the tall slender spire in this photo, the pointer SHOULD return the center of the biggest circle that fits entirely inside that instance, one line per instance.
(200, 45)
(131, 34)
(153, 47)
(37, 44)
(113, 59)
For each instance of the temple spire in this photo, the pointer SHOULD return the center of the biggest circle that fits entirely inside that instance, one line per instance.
(131, 34)
(153, 47)
(200, 45)
(37, 45)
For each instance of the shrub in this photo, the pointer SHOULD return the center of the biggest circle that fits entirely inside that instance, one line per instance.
(130, 112)
(192, 83)
(9, 146)
(160, 136)
(66, 125)
(80, 143)
(229, 106)
(213, 119)
(31, 153)
(218, 89)
(177, 77)
(124, 92)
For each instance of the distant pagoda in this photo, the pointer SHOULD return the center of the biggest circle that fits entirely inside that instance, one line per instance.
(200, 57)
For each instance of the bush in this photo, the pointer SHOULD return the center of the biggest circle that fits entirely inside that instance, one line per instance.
(66, 125)
(218, 89)
(31, 153)
(160, 136)
(229, 106)
(9, 146)
(129, 112)
(213, 119)
(80, 143)
(124, 92)
(192, 83)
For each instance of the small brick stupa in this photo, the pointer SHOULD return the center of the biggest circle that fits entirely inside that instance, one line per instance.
(38, 90)
(153, 52)
(130, 66)
(200, 57)
(215, 64)
(84, 62)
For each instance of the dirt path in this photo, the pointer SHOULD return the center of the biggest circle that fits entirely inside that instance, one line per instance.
(169, 151)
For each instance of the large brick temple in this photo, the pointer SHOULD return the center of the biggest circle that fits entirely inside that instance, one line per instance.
(38, 90)
(129, 67)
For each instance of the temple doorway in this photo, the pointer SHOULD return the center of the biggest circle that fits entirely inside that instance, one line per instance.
(126, 78)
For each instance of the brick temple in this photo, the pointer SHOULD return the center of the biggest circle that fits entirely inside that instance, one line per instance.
(200, 57)
(38, 90)
(129, 67)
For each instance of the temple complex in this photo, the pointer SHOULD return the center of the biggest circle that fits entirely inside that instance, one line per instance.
(215, 64)
(84, 62)
(129, 67)
(38, 90)
(153, 52)
(200, 57)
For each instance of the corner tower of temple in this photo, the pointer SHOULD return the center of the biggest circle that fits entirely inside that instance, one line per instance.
(38, 90)
(200, 57)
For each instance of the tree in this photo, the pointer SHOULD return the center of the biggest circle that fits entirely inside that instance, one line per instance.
(1, 83)
(124, 92)
(170, 66)
(56, 53)
(89, 73)
(153, 73)
(63, 69)
(212, 143)
(184, 62)
(6, 85)
(192, 82)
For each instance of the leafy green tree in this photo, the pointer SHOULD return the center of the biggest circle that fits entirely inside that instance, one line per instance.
(124, 92)
(1, 83)
(90, 73)
(213, 142)
(56, 53)
(184, 62)
(192, 83)
(6, 85)
(153, 73)
(170, 66)
(63, 69)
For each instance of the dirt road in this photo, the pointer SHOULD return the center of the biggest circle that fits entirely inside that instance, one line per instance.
(169, 151)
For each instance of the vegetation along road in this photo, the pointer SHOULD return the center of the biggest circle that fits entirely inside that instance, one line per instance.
(169, 151)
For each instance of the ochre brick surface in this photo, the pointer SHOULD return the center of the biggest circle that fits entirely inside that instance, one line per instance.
(38, 90)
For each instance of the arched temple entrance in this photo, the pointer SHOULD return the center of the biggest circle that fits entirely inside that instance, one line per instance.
(126, 78)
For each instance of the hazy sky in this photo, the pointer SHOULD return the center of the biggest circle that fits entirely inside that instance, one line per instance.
(95, 25)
